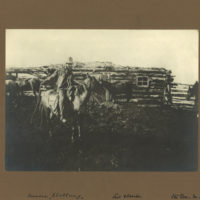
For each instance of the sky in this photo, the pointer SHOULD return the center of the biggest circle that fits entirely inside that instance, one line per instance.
(176, 50)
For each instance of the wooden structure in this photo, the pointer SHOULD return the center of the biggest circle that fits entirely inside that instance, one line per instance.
(149, 85)
(152, 86)
(179, 94)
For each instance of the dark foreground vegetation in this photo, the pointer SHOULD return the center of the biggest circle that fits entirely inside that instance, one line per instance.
(115, 138)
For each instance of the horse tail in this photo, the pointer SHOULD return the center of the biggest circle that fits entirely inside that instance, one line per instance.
(38, 101)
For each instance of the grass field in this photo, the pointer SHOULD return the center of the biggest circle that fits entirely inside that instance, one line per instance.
(122, 138)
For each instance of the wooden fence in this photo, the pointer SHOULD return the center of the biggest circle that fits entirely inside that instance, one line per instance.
(179, 94)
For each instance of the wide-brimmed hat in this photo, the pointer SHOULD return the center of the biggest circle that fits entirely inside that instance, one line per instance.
(70, 60)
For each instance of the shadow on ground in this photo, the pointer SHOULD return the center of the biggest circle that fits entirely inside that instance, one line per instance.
(115, 138)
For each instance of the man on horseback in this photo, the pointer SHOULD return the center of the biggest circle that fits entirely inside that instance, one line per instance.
(61, 79)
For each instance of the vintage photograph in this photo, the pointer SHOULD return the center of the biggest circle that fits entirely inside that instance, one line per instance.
(101, 100)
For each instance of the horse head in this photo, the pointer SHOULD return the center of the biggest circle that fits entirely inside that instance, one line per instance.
(22, 82)
(91, 83)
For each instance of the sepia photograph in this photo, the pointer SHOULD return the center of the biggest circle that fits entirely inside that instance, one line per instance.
(101, 100)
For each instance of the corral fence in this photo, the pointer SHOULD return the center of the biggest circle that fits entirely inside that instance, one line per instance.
(179, 94)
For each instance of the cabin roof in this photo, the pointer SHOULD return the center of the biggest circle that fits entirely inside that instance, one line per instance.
(89, 68)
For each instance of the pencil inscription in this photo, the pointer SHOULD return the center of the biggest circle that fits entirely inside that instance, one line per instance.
(126, 196)
(57, 195)
(184, 196)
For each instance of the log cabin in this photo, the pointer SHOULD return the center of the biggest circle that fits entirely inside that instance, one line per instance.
(150, 86)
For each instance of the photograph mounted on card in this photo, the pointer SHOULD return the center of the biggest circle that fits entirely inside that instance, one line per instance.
(101, 100)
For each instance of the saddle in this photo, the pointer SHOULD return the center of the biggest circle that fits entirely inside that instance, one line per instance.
(51, 99)
(53, 102)
(71, 92)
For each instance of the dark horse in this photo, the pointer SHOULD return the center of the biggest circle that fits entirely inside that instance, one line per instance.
(193, 92)
(76, 99)
(114, 89)
(12, 93)
(32, 84)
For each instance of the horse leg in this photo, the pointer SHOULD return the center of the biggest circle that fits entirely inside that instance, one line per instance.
(46, 124)
(76, 131)
(42, 118)
(22, 92)
(35, 96)
(107, 96)
(79, 130)
(114, 98)
(196, 106)
(36, 108)
(73, 131)
(73, 125)
(79, 120)
(50, 131)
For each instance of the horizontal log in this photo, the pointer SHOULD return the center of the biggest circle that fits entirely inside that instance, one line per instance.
(144, 102)
(135, 74)
(158, 78)
(179, 95)
(182, 98)
(154, 96)
(84, 70)
(185, 88)
(147, 70)
(147, 91)
(135, 71)
(150, 101)
(155, 105)
(157, 87)
(121, 77)
(140, 98)
(119, 81)
(117, 74)
(175, 91)
(181, 87)
(182, 102)
(185, 107)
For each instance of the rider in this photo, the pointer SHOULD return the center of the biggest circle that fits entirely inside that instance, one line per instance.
(62, 79)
